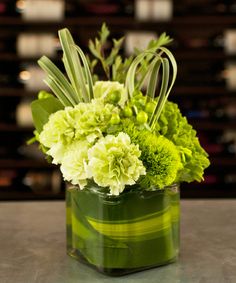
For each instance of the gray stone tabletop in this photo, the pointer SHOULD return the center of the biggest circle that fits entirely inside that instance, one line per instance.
(32, 246)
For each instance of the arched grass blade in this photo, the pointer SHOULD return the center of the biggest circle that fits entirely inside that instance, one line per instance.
(88, 75)
(58, 91)
(67, 92)
(73, 66)
(151, 89)
(163, 96)
(163, 92)
(130, 78)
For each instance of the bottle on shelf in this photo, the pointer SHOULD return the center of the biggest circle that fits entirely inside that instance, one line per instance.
(36, 45)
(41, 181)
(230, 74)
(137, 39)
(205, 7)
(153, 10)
(220, 144)
(7, 178)
(41, 10)
(32, 77)
(101, 7)
(23, 113)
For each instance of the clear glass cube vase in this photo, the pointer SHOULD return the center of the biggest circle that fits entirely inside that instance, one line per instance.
(122, 234)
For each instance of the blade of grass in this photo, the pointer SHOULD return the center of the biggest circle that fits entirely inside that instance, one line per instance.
(130, 78)
(58, 92)
(153, 78)
(88, 75)
(72, 65)
(56, 75)
(162, 96)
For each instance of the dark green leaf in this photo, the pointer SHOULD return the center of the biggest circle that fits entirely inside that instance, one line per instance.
(42, 109)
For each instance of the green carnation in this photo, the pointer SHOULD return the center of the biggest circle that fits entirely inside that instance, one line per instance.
(106, 90)
(114, 162)
(86, 121)
(59, 128)
(74, 163)
(92, 119)
(58, 132)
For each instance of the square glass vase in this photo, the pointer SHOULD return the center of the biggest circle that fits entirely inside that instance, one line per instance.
(117, 235)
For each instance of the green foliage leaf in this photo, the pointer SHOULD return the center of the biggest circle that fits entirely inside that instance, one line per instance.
(104, 33)
(97, 47)
(114, 51)
(120, 68)
(42, 109)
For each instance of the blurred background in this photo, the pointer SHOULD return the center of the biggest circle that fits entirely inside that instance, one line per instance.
(204, 33)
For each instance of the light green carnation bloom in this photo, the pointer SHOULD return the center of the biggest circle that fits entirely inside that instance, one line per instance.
(114, 162)
(74, 163)
(60, 128)
(58, 132)
(92, 119)
(103, 89)
(86, 121)
(57, 152)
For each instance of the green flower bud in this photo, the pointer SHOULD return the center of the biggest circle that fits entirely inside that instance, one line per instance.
(127, 111)
(44, 94)
(115, 119)
(150, 106)
(114, 97)
(142, 117)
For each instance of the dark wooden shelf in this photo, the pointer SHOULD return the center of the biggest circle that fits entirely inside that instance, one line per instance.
(223, 161)
(16, 58)
(186, 22)
(205, 124)
(17, 92)
(202, 91)
(193, 54)
(14, 128)
(24, 164)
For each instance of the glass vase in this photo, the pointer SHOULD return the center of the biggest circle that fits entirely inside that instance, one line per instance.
(121, 234)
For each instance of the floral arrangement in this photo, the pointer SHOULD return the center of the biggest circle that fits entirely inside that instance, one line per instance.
(111, 132)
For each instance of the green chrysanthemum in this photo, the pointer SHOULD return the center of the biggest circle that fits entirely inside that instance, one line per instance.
(114, 162)
(162, 159)
(159, 155)
(106, 89)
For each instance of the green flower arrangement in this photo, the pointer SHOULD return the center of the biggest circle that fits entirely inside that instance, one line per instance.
(112, 132)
